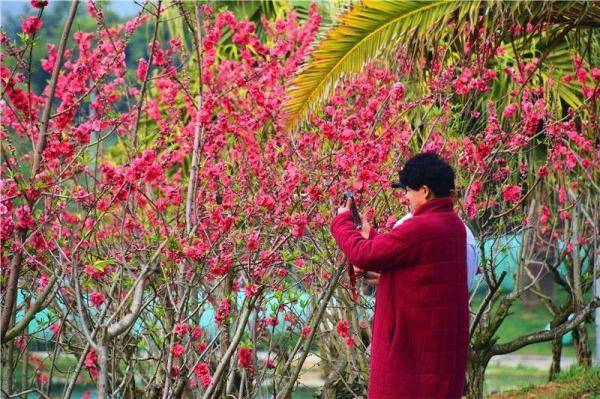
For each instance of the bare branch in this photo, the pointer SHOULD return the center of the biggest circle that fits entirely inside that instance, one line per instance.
(541, 336)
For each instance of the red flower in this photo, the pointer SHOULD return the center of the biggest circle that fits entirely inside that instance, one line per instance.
(223, 311)
(245, 357)
(510, 110)
(253, 242)
(90, 359)
(305, 331)
(201, 347)
(97, 299)
(201, 369)
(180, 329)
(196, 333)
(42, 378)
(343, 328)
(142, 69)
(31, 25)
(21, 343)
(178, 350)
(205, 380)
(39, 3)
(175, 371)
(511, 193)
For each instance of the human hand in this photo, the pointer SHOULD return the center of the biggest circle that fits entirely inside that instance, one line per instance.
(370, 277)
(365, 229)
(346, 207)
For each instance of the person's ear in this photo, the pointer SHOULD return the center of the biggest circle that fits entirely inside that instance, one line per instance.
(428, 193)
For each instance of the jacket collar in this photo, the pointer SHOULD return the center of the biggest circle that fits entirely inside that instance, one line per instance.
(444, 204)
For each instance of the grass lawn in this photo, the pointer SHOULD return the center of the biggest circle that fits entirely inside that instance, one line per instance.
(502, 378)
(572, 384)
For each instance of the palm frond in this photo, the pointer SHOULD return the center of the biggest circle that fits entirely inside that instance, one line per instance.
(361, 33)
(373, 26)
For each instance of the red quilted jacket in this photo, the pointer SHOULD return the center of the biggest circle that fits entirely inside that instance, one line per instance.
(421, 322)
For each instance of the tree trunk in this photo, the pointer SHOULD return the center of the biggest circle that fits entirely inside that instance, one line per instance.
(476, 374)
(25, 372)
(582, 347)
(103, 389)
(7, 369)
(225, 335)
(343, 383)
(556, 355)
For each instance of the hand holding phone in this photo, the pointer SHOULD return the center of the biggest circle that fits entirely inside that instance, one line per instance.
(351, 205)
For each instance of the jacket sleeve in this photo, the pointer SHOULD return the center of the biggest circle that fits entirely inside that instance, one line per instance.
(380, 252)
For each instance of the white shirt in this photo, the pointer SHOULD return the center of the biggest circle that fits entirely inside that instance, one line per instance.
(472, 252)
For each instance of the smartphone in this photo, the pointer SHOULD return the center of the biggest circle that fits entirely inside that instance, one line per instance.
(355, 216)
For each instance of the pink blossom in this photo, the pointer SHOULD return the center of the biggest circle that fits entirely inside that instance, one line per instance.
(97, 299)
(223, 311)
(39, 3)
(178, 350)
(343, 327)
(511, 193)
(564, 215)
(510, 110)
(142, 70)
(42, 378)
(201, 369)
(205, 380)
(197, 333)
(31, 25)
(245, 357)
(180, 329)
(253, 242)
(251, 289)
(21, 343)
(397, 92)
(43, 282)
(542, 171)
(90, 359)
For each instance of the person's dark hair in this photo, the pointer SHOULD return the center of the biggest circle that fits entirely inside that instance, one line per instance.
(428, 169)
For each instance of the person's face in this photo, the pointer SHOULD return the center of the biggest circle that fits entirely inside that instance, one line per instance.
(416, 198)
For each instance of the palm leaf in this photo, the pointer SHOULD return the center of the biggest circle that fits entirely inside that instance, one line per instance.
(379, 25)
(361, 33)
(558, 63)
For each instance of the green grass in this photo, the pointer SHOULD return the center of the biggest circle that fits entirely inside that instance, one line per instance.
(572, 384)
(502, 378)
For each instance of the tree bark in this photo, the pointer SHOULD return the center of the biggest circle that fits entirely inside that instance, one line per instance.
(102, 371)
(556, 356)
(582, 347)
(476, 374)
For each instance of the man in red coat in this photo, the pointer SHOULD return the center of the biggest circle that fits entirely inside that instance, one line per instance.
(421, 321)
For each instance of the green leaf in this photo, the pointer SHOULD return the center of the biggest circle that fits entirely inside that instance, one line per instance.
(99, 264)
